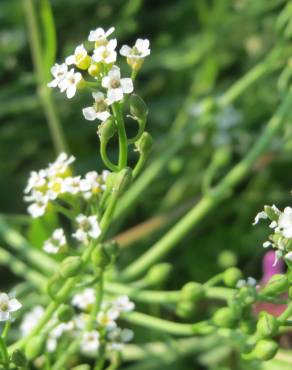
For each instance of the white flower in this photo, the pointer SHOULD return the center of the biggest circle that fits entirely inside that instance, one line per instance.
(56, 242)
(87, 226)
(139, 51)
(8, 305)
(56, 333)
(37, 180)
(100, 35)
(288, 256)
(38, 208)
(91, 184)
(69, 83)
(250, 281)
(260, 216)
(285, 222)
(107, 318)
(123, 304)
(31, 319)
(84, 300)
(267, 244)
(61, 165)
(99, 110)
(118, 337)
(81, 320)
(79, 54)
(106, 53)
(90, 341)
(116, 85)
(55, 188)
(72, 185)
(59, 72)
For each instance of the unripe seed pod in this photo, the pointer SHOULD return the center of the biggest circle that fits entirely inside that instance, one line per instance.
(65, 313)
(224, 318)
(34, 347)
(278, 284)
(138, 108)
(247, 326)
(18, 358)
(94, 69)
(231, 276)
(158, 273)
(70, 266)
(192, 291)
(123, 180)
(83, 62)
(185, 309)
(265, 349)
(144, 144)
(100, 257)
(107, 129)
(267, 325)
(247, 295)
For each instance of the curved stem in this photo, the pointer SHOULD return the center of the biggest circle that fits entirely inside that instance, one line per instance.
(104, 157)
(142, 124)
(139, 165)
(123, 144)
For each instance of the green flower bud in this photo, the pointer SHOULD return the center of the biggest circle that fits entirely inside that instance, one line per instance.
(100, 257)
(107, 129)
(18, 358)
(185, 309)
(94, 69)
(34, 347)
(231, 276)
(247, 295)
(271, 213)
(123, 180)
(222, 156)
(70, 266)
(158, 273)
(112, 248)
(276, 285)
(227, 259)
(55, 284)
(192, 291)
(224, 318)
(65, 313)
(265, 349)
(83, 62)
(144, 144)
(247, 326)
(267, 325)
(138, 108)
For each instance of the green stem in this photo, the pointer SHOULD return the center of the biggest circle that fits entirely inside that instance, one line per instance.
(286, 314)
(104, 157)
(213, 281)
(4, 353)
(5, 330)
(44, 93)
(123, 144)
(139, 165)
(207, 203)
(142, 123)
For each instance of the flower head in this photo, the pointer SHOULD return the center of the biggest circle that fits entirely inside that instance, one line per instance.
(59, 72)
(99, 36)
(107, 318)
(39, 205)
(31, 319)
(60, 167)
(106, 53)
(79, 58)
(56, 242)
(7, 306)
(84, 300)
(99, 110)
(116, 86)
(70, 82)
(285, 222)
(123, 304)
(90, 341)
(118, 337)
(36, 181)
(136, 54)
(87, 227)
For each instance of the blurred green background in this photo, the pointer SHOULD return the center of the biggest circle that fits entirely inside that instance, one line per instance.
(199, 49)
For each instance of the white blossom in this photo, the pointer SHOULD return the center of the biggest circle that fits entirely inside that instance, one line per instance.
(99, 110)
(139, 51)
(91, 184)
(72, 185)
(70, 82)
(250, 281)
(56, 333)
(123, 304)
(100, 35)
(56, 242)
(118, 337)
(107, 318)
(37, 180)
(84, 300)
(7, 306)
(288, 256)
(31, 319)
(90, 341)
(267, 244)
(106, 53)
(285, 222)
(79, 53)
(59, 72)
(87, 227)
(61, 165)
(38, 208)
(260, 216)
(116, 86)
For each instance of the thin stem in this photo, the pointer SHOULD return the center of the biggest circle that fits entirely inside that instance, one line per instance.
(142, 123)
(4, 353)
(208, 202)
(139, 165)
(105, 158)
(123, 144)
(213, 281)
(286, 314)
(5, 330)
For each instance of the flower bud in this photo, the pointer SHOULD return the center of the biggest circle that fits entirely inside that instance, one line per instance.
(276, 285)
(224, 318)
(247, 326)
(222, 156)
(100, 257)
(192, 291)
(123, 180)
(94, 69)
(65, 313)
(55, 284)
(18, 358)
(144, 144)
(265, 349)
(271, 213)
(185, 309)
(267, 325)
(34, 347)
(70, 266)
(158, 273)
(135, 63)
(107, 129)
(247, 295)
(138, 108)
(83, 61)
(112, 248)
(231, 276)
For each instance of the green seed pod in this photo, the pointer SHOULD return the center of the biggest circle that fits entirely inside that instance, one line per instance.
(248, 326)
(192, 291)
(185, 309)
(34, 347)
(267, 325)
(224, 318)
(265, 349)
(247, 295)
(144, 144)
(271, 213)
(55, 284)
(18, 358)
(278, 284)
(226, 259)
(94, 69)
(123, 180)
(71, 266)
(158, 273)
(231, 276)
(100, 257)
(65, 313)
(138, 108)
(112, 248)
(107, 129)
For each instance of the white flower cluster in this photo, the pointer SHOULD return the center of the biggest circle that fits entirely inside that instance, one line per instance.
(57, 181)
(7, 306)
(100, 65)
(281, 224)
